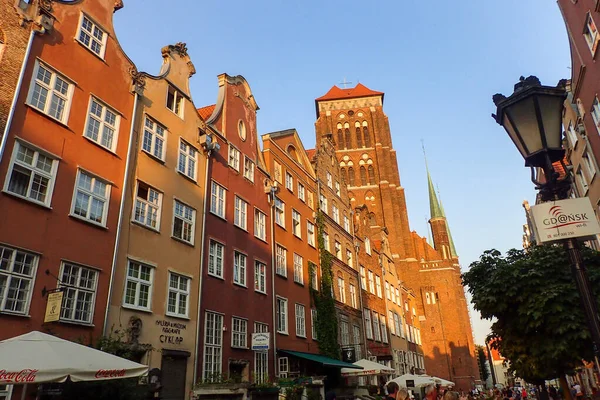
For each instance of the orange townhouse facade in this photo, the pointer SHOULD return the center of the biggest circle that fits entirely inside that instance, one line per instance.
(156, 280)
(296, 255)
(62, 170)
(236, 295)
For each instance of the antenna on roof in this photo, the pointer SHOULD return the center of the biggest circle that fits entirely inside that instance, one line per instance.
(345, 83)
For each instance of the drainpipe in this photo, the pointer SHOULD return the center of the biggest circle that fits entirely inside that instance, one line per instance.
(13, 104)
(209, 146)
(121, 211)
(272, 192)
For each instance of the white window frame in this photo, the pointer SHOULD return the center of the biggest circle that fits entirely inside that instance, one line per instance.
(51, 92)
(248, 169)
(240, 213)
(313, 323)
(280, 260)
(595, 111)
(368, 246)
(178, 101)
(155, 137)
(582, 181)
(300, 316)
(391, 323)
(234, 158)
(329, 180)
(188, 156)
(93, 39)
(239, 334)
(260, 224)
(349, 258)
(147, 205)
(590, 33)
(34, 171)
(214, 259)
(240, 268)
(363, 278)
(301, 192)
(368, 325)
(188, 220)
(315, 275)
(180, 294)
(260, 277)
(590, 165)
(384, 335)
(337, 188)
(282, 315)
(341, 289)
(353, 301)
(310, 233)
(371, 282)
(326, 241)
(283, 367)
(323, 203)
(378, 286)
(212, 363)
(16, 276)
(571, 134)
(298, 269)
(279, 212)
(335, 211)
(218, 198)
(376, 331)
(296, 224)
(103, 124)
(346, 223)
(92, 194)
(289, 181)
(139, 282)
(6, 392)
(344, 332)
(74, 286)
(337, 248)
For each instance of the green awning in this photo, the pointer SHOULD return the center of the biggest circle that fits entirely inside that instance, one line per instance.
(323, 360)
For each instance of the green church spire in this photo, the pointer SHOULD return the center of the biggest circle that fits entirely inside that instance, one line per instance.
(452, 248)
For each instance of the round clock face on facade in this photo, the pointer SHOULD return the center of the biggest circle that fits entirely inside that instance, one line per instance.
(242, 130)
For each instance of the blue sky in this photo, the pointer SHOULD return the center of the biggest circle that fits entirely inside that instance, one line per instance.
(439, 63)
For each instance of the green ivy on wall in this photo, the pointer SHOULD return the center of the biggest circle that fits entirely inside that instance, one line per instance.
(326, 323)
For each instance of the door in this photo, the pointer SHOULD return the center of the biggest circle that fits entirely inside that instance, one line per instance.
(173, 371)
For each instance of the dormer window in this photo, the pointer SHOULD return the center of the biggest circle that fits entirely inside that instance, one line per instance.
(175, 101)
(590, 32)
(91, 36)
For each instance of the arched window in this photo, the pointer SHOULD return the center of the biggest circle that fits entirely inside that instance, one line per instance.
(366, 134)
(363, 175)
(371, 175)
(344, 176)
(359, 141)
(347, 133)
(351, 176)
(340, 136)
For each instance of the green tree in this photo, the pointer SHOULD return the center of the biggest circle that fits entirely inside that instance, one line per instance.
(327, 327)
(483, 371)
(539, 323)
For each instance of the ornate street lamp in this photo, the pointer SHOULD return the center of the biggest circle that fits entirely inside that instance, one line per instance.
(532, 117)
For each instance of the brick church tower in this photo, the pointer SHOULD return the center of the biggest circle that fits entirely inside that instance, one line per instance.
(363, 141)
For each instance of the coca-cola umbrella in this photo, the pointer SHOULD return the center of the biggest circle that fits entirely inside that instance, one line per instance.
(36, 357)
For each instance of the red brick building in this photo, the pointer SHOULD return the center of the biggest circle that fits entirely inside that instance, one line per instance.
(236, 297)
(364, 148)
(296, 255)
(58, 210)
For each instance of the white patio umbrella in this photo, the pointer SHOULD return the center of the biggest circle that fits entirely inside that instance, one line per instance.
(369, 368)
(36, 357)
(417, 380)
(442, 381)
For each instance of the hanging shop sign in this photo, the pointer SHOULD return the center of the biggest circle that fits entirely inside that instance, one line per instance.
(53, 306)
(565, 219)
(260, 341)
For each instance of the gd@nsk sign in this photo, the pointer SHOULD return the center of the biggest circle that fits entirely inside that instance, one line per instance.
(564, 219)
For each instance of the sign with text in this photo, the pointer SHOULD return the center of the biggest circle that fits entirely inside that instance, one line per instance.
(349, 355)
(53, 306)
(260, 341)
(565, 219)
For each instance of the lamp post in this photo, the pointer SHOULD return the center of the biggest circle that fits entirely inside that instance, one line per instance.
(532, 117)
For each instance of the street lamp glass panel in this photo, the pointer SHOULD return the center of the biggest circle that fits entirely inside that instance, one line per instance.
(551, 107)
(521, 124)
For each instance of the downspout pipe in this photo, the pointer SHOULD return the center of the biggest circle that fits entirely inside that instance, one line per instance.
(274, 190)
(13, 104)
(360, 297)
(121, 211)
(209, 151)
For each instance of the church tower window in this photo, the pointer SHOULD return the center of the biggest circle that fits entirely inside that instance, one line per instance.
(366, 134)
(340, 136)
(359, 141)
(347, 133)
(363, 176)
(344, 176)
(371, 175)
(351, 176)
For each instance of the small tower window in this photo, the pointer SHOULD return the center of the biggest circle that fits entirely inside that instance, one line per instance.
(351, 176)
(366, 134)
(340, 136)
(348, 137)
(371, 175)
(344, 176)
(359, 141)
(428, 298)
(363, 175)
